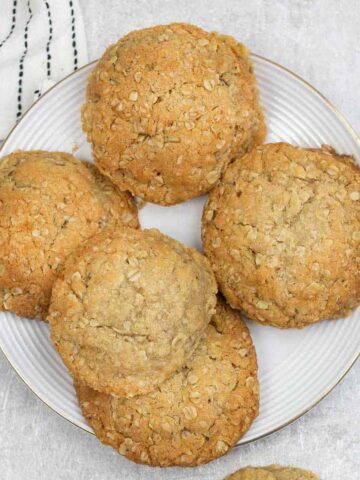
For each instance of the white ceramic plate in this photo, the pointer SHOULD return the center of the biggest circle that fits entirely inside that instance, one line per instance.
(297, 368)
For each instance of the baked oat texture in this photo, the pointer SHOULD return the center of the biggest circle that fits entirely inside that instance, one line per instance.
(196, 415)
(168, 107)
(272, 472)
(282, 232)
(49, 204)
(130, 309)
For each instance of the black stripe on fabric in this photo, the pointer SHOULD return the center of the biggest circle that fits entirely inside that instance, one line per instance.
(21, 63)
(13, 22)
(73, 35)
(48, 55)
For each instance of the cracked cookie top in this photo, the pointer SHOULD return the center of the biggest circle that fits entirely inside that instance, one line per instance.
(196, 415)
(282, 232)
(168, 107)
(130, 309)
(50, 202)
(272, 472)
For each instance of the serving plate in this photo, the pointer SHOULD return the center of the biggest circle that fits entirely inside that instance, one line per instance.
(297, 368)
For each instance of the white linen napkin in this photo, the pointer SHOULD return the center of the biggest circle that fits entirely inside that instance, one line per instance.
(41, 41)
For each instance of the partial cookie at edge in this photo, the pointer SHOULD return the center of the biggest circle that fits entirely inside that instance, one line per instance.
(272, 472)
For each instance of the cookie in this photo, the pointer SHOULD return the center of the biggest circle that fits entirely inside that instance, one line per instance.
(282, 232)
(272, 472)
(168, 107)
(50, 202)
(196, 415)
(130, 309)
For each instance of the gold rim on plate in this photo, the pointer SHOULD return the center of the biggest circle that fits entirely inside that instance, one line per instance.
(356, 138)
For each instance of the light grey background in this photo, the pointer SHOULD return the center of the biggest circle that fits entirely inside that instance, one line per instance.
(319, 40)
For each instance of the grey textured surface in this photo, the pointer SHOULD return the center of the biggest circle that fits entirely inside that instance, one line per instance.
(320, 40)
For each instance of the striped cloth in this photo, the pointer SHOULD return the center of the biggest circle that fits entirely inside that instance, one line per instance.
(41, 41)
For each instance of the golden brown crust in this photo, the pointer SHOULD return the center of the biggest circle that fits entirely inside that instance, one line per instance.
(49, 204)
(168, 107)
(272, 472)
(196, 415)
(130, 309)
(282, 232)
